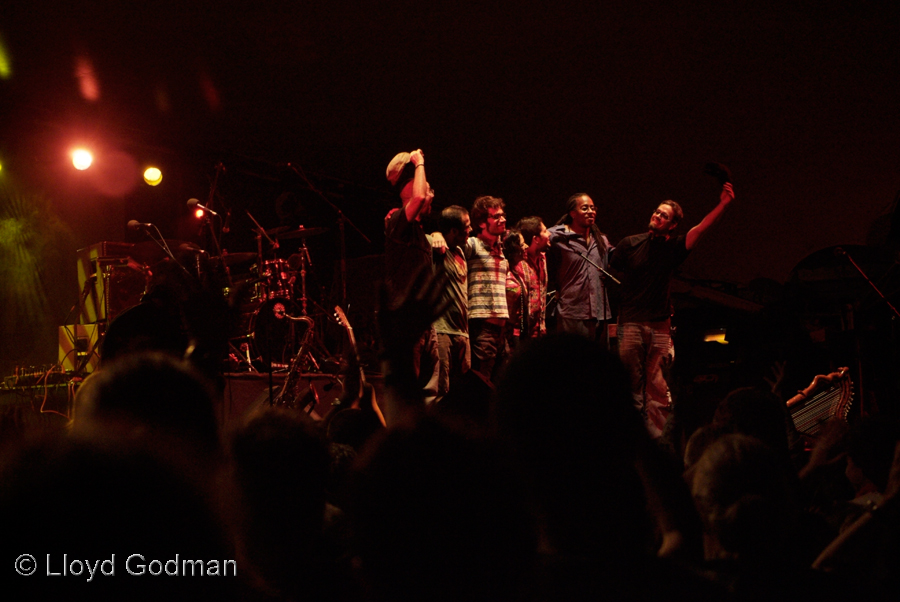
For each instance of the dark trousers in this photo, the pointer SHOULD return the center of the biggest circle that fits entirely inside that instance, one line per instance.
(490, 350)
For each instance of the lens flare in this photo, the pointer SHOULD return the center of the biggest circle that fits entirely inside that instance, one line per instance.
(87, 79)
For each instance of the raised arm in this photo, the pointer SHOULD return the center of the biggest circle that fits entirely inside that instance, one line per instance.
(711, 218)
(420, 187)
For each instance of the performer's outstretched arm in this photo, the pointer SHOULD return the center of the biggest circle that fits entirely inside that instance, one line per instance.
(420, 187)
(712, 217)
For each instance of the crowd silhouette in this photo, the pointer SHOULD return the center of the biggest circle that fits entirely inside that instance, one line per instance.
(545, 487)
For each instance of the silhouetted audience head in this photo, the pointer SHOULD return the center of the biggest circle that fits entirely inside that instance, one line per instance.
(702, 438)
(156, 394)
(352, 427)
(441, 515)
(280, 465)
(742, 491)
(757, 413)
(104, 496)
(565, 405)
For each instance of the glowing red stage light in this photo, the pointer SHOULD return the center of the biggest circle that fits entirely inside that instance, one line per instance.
(82, 159)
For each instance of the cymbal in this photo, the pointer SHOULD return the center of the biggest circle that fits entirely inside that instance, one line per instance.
(302, 233)
(234, 258)
(287, 232)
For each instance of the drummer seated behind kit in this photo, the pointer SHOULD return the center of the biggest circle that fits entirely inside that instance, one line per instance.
(407, 252)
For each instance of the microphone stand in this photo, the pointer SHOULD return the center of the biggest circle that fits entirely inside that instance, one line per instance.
(842, 252)
(208, 222)
(605, 295)
(342, 219)
(212, 197)
(602, 271)
(161, 243)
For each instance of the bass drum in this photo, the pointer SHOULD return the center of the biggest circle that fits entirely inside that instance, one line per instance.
(273, 337)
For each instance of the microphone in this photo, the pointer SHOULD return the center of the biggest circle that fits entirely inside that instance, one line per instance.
(718, 171)
(192, 203)
(839, 251)
(187, 247)
(136, 225)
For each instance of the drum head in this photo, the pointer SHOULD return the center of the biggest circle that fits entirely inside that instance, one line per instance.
(277, 280)
(273, 336)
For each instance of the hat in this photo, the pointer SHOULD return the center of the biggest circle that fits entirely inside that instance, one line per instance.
(400, 170)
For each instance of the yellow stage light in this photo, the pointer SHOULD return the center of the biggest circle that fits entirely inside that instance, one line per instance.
(716, 335)
(152, 176)
(5, 62)
(198, 213)
(81, 159)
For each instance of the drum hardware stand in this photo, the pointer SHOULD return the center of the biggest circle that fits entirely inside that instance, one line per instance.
(244, 354)
(260, 232)
(304, 260)
(342, 219)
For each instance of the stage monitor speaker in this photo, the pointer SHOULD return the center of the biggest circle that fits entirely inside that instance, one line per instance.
(247, 392)
(113, 279)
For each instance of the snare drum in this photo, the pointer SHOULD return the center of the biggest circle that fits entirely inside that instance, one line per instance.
(277, 279)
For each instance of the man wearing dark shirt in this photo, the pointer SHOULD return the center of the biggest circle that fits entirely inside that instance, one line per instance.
(407, 252)
(648, 262)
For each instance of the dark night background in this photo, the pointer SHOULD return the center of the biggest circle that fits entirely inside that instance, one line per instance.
(528, 101)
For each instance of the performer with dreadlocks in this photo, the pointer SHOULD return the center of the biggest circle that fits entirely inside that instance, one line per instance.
(578, 249)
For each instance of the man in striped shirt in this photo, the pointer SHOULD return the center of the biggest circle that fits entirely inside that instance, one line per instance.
(487, 287)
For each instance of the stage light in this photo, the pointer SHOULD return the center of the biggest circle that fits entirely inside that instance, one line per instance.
(716, 335)
(5, 68)
(152, 176)
(82, 159)
(199, 213)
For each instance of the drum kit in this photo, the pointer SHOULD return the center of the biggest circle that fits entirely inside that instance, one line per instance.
(278, 323)
(275, 325)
